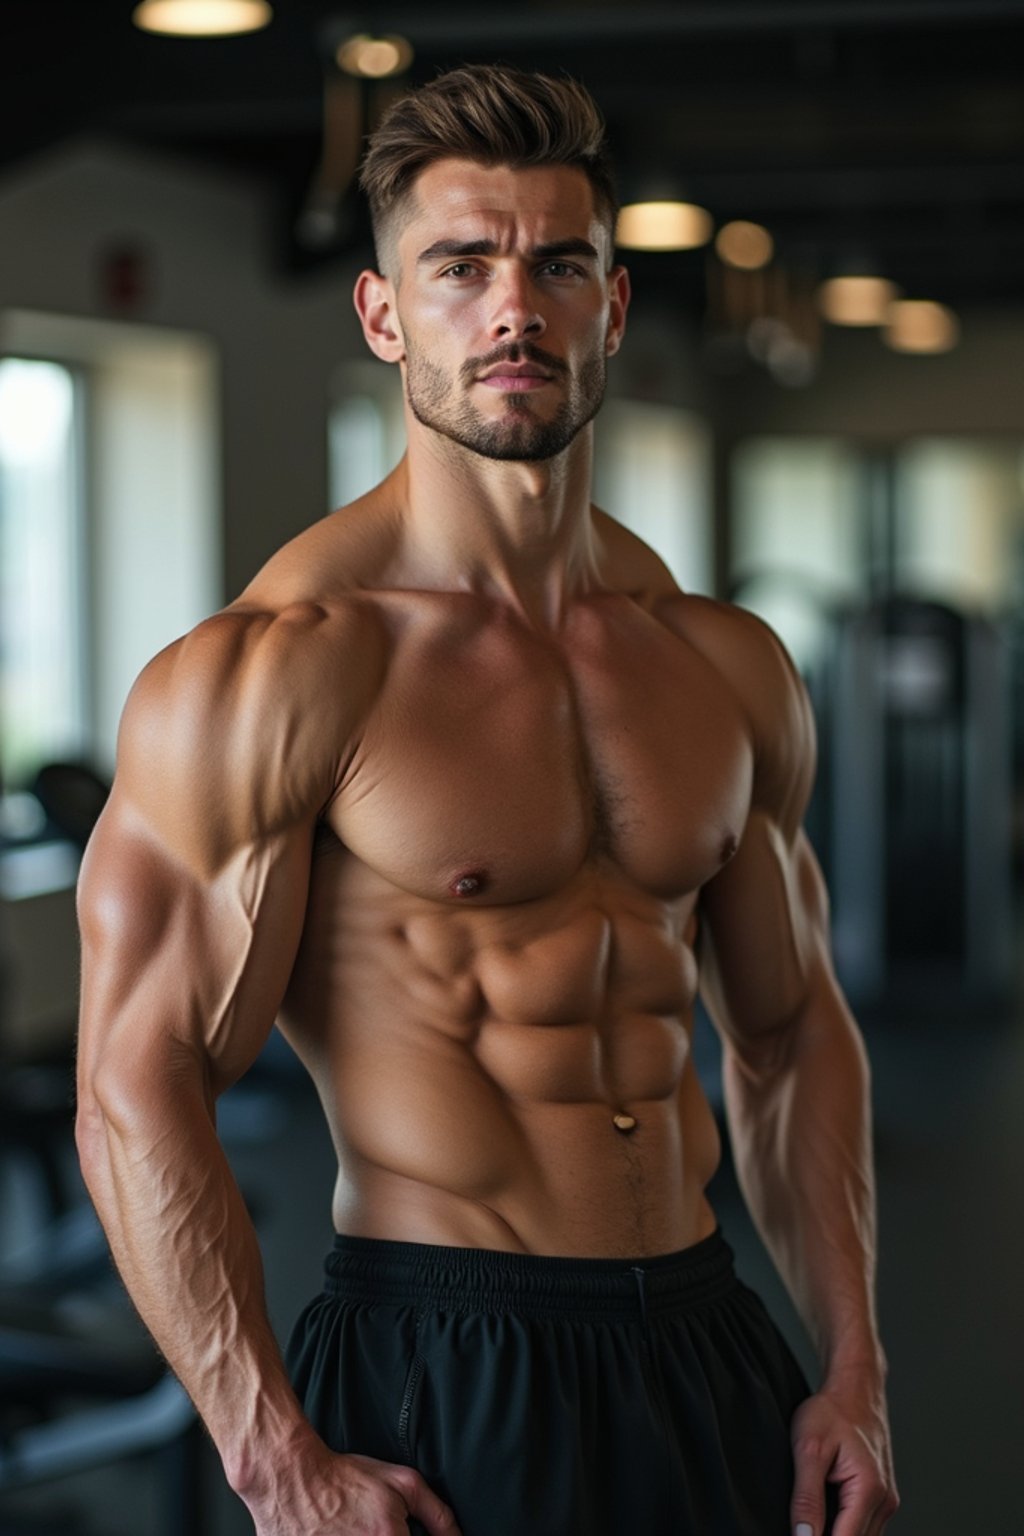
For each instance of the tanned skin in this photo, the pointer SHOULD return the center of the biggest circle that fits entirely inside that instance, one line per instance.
(467, 795)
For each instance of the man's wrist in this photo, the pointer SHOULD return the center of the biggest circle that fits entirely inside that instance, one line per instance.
(254, 1466)
(864, 1363)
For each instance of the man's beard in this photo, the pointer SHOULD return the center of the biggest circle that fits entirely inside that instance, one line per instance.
(520, 435)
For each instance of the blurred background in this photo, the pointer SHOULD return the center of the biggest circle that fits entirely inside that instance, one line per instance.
(818, 414)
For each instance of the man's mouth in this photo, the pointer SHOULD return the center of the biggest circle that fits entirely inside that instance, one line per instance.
(512, 378)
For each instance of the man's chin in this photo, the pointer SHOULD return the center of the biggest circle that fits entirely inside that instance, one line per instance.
(518, 438)
(517, 435)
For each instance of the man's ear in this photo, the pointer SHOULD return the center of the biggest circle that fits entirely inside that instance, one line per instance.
(619, 292)
(374, 299)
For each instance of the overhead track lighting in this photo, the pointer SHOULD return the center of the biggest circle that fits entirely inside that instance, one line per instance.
(663, 226)
(202, 18)
(374, 58)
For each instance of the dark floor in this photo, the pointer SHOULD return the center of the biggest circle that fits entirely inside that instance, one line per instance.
(949, 1124)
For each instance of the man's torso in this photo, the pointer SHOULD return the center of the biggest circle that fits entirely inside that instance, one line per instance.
(499, 948)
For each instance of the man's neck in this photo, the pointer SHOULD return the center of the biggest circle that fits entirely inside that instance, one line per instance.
(519, 532)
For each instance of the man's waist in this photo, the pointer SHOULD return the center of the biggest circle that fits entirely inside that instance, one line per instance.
(391, 1272)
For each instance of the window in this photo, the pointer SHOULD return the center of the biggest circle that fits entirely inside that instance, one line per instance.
(799, 536)
(43, 679)
(652, 473)
(959, 530)
(365, 430)
(110, 523)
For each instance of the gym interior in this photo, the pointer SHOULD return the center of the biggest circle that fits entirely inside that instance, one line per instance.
(183, 387)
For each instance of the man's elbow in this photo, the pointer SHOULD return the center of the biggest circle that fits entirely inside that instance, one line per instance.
(130, 1091)
(92, 1133)
(771, 1047)
(106, 1107)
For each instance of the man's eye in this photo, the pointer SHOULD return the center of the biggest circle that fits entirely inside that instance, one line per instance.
(458, 269)
(560, 269)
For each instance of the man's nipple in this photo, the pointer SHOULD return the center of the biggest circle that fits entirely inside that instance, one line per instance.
(472, 883)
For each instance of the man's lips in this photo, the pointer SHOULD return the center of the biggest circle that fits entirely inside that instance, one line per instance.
(513, 377)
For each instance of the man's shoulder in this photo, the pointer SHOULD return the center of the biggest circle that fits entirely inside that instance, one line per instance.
(265, 651)
(732, 638)
(249, 720)
(310, 607)
(325, 568)
(631, 565)
(734, 641)
(755, 665)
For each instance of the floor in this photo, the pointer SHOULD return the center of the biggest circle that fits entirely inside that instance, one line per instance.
(949, 1129)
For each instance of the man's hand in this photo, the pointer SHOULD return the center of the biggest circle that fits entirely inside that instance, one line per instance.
(323, 1494)
(841, 1436)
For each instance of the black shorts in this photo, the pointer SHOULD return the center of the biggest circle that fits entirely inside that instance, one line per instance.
(556, 1396)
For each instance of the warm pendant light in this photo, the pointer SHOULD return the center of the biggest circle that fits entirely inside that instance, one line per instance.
(856, 299)
(919, 325)
(663, 226)
(202, 18)
(744, 245)
(374, 58)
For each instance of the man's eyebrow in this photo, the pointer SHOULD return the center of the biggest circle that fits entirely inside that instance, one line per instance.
(574, 247)
(549, 252)
(457, 248)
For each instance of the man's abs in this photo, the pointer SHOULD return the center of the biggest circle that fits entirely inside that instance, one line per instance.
(498, 956)
(514, 1077)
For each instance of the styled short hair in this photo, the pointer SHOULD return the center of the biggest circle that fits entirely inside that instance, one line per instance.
(495, 116)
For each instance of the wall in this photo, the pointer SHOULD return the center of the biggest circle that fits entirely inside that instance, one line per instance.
(209, 240)
(864, 389)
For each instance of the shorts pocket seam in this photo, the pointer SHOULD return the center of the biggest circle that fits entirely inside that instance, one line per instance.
(414, 1375)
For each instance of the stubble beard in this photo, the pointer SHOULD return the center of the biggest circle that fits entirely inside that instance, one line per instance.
(443, 404)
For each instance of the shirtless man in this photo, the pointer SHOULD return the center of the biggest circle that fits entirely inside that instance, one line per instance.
(472, 799)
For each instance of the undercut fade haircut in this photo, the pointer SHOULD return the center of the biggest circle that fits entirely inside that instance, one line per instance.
(495, 116)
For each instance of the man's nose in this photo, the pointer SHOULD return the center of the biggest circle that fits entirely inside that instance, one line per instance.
(514, 310)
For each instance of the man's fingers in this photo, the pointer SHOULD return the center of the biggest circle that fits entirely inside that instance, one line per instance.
(871, 1520)
(811, 1460)
(840, 1469)
(890, 1503)
(423, 1503)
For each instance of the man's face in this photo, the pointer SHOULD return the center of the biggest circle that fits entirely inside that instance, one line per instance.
(506, 308)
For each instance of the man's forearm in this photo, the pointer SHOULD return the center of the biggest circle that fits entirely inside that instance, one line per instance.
(801, 1133)
(185, 1246)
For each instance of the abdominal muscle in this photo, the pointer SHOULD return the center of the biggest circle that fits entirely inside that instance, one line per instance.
(470, 1061)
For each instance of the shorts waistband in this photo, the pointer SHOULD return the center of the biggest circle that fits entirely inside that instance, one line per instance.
(371, 1269)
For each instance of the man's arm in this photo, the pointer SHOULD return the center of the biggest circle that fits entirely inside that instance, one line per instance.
(191, 901)
(797, 1091)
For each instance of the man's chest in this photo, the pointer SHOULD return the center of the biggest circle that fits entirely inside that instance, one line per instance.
(494, 765)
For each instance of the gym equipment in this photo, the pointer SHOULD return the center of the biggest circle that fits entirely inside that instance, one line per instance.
(921, 806)
(81, 1383)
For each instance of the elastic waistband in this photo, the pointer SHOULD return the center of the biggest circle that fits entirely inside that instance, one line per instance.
(371, 1269)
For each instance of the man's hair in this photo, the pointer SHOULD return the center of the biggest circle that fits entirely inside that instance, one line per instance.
(495, 116)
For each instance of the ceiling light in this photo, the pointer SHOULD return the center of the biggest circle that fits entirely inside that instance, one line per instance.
(663, 226)
(919, 325)
(856, 300)
(374, 58)
(202, 18)
(744, 245)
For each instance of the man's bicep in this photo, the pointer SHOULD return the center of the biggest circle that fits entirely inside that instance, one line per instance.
(181, 971)
(194, 885)
(764, 940)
